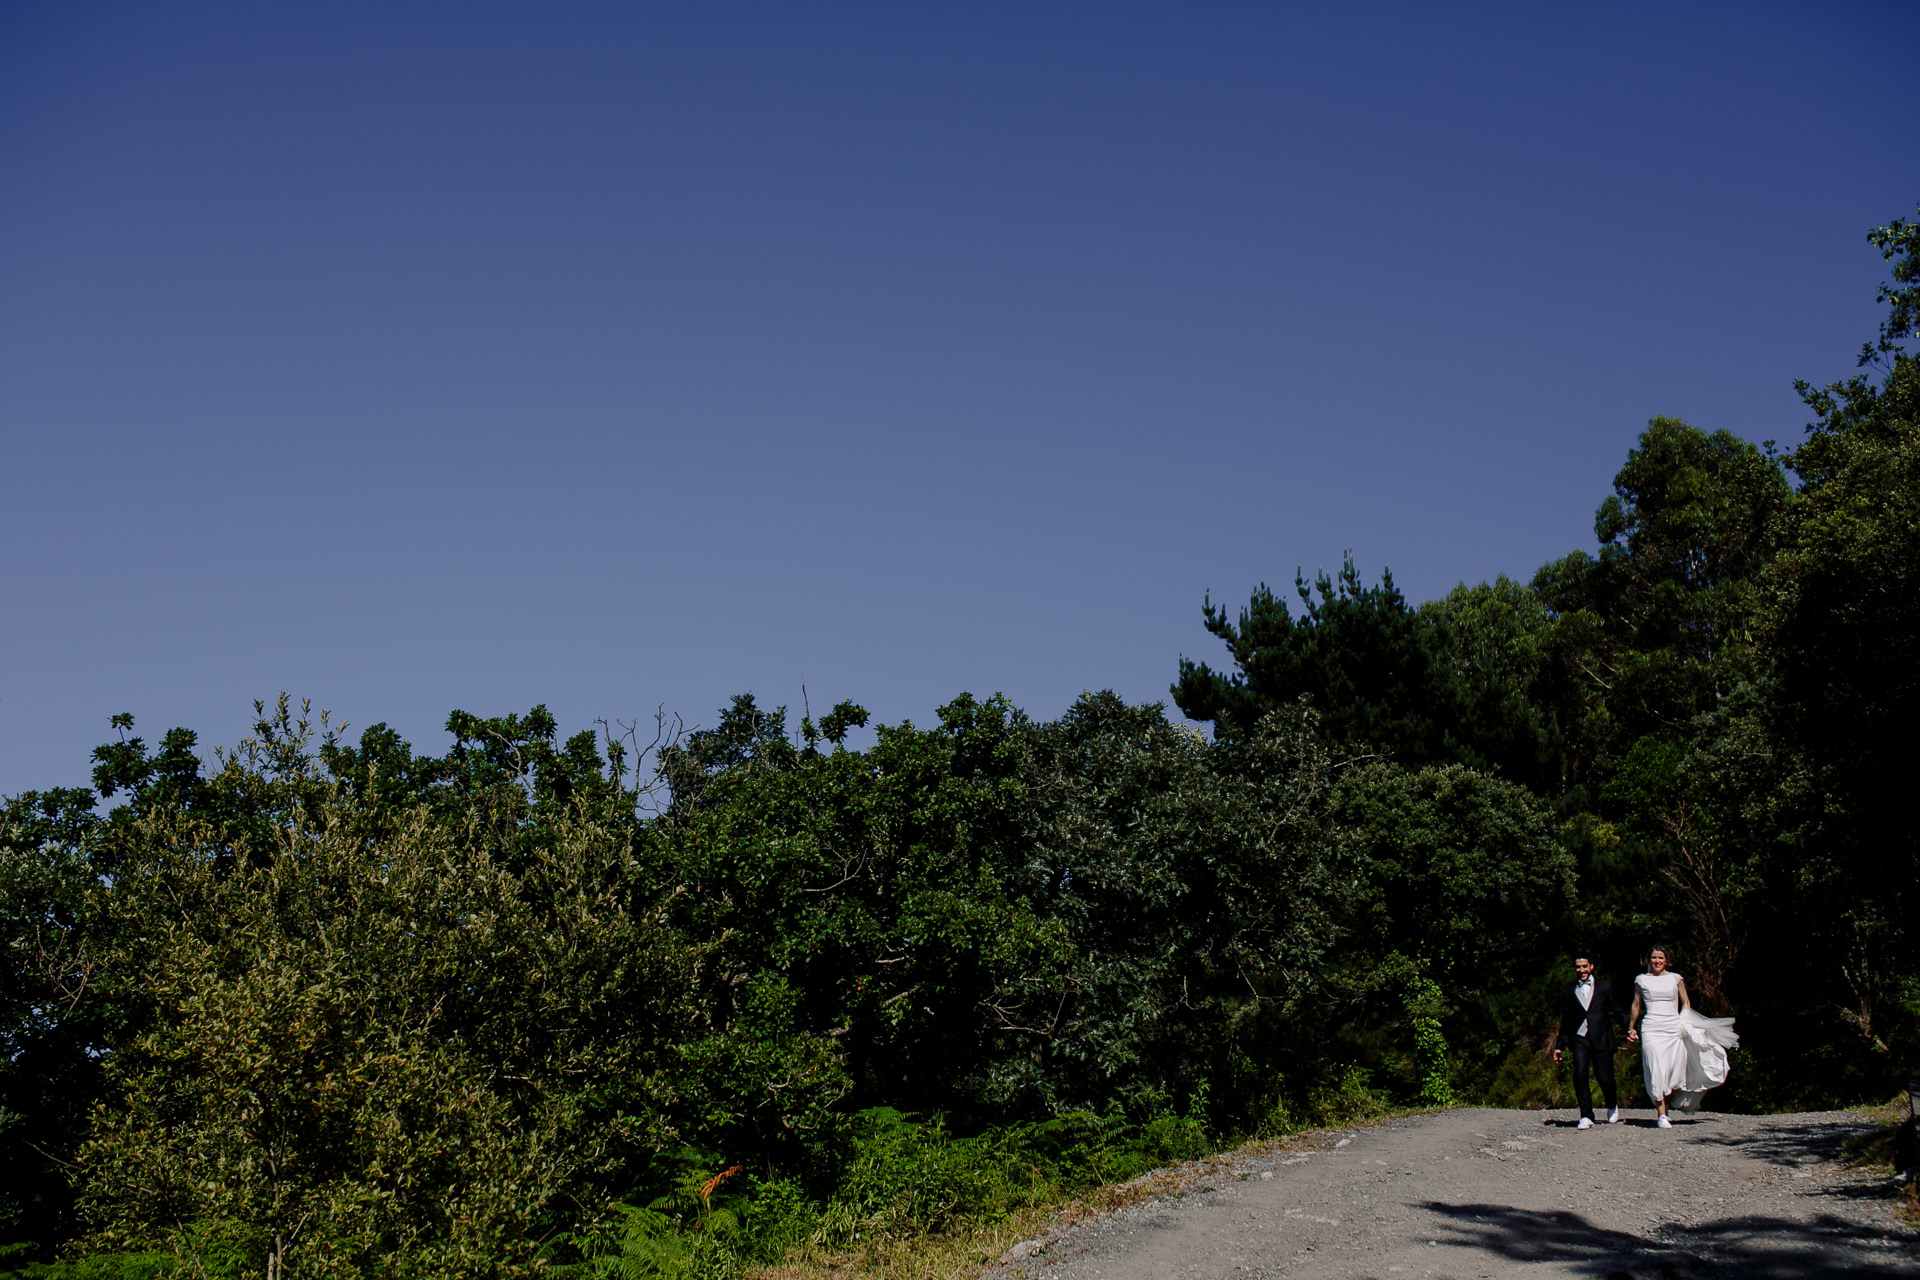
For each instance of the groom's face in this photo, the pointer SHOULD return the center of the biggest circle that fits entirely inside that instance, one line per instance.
(1583, 968)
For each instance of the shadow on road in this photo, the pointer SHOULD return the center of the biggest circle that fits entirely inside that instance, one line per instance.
(1780, 1143)
(1752, 1248)
(1793, 1146)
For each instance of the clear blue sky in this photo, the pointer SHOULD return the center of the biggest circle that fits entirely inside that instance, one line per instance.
(412, 356)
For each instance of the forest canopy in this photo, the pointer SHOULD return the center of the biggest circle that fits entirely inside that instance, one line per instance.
(323, 1006)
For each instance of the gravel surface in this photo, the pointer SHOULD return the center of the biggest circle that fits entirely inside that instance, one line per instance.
(1504, 1193)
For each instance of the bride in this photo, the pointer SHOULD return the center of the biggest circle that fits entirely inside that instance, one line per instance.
(1682, 1054)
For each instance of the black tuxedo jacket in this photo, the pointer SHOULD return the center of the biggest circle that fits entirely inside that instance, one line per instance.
(1600, 1016)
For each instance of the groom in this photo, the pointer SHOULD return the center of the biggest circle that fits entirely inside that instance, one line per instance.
(1588, 1012)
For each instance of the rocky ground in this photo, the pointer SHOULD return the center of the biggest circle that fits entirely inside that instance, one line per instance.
(1479, 1193)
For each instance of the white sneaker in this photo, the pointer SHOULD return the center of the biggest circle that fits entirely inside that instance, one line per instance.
(1663, 1123)
(1613, 1115)
(1586, 1122)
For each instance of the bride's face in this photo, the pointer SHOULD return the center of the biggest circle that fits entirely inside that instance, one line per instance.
(1657, 962)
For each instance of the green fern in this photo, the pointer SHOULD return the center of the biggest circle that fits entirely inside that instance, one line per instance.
(682, 1235)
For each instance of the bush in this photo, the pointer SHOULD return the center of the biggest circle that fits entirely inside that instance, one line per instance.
(391, 1054)
(1346, 1096)
(106, 1266)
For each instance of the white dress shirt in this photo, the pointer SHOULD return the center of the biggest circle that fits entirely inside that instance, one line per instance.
(1583, 992)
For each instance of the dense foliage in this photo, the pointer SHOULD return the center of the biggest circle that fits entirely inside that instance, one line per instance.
(329, 1007)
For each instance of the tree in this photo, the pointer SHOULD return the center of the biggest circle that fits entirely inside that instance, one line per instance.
(1499, 638)
(1658, 625)
(1842, 628)
(869, 940)
(377, 1042)
(1197, 885)
(1898, 243)
(1380, 674)
(1462, 881)
(55, 1017)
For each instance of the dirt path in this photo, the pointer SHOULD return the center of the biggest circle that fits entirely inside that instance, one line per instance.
(1508, 1193)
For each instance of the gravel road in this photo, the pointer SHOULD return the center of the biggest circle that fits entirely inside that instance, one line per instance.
(1505, 1193)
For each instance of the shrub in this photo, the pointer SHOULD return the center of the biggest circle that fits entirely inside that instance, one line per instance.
(389, 1054)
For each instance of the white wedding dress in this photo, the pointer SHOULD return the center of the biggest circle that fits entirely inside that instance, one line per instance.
(1682, 1053)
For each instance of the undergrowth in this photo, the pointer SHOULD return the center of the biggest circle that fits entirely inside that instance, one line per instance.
(914, 1196)
(904, 1180)
(904, 1195)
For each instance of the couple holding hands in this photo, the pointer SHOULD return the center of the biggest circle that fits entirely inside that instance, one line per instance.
(1682, 1054)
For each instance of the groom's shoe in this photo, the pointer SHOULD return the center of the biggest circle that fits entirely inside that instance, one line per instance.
(1586, 1122)
(1613, 1115)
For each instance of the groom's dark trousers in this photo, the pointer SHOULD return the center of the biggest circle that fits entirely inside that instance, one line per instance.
(1592, 1052)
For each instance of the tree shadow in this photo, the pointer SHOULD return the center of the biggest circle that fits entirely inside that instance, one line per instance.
(1799, 1144)
(1749, 1248)
(1799, 1141)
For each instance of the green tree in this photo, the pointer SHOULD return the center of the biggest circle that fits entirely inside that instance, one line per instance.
(1499, 637)
(378, 1041)
(995, 916)
(1842, 628)
(1197, 885)
(869, 943)
(55, 1017)
(1464, 882)
(1899, 244)
(1658, 625)
(1380, 673)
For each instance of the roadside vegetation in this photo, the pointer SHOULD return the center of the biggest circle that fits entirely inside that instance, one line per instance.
(1890, 1147)
(626, 1004)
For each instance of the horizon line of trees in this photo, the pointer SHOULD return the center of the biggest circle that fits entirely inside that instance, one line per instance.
(592, 1005)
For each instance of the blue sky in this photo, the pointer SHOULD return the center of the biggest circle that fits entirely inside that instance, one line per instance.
(412, 357)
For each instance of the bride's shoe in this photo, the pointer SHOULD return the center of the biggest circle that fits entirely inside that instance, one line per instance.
(1663, 1123)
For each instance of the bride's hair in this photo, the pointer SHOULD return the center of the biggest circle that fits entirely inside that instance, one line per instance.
(1664, 950)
